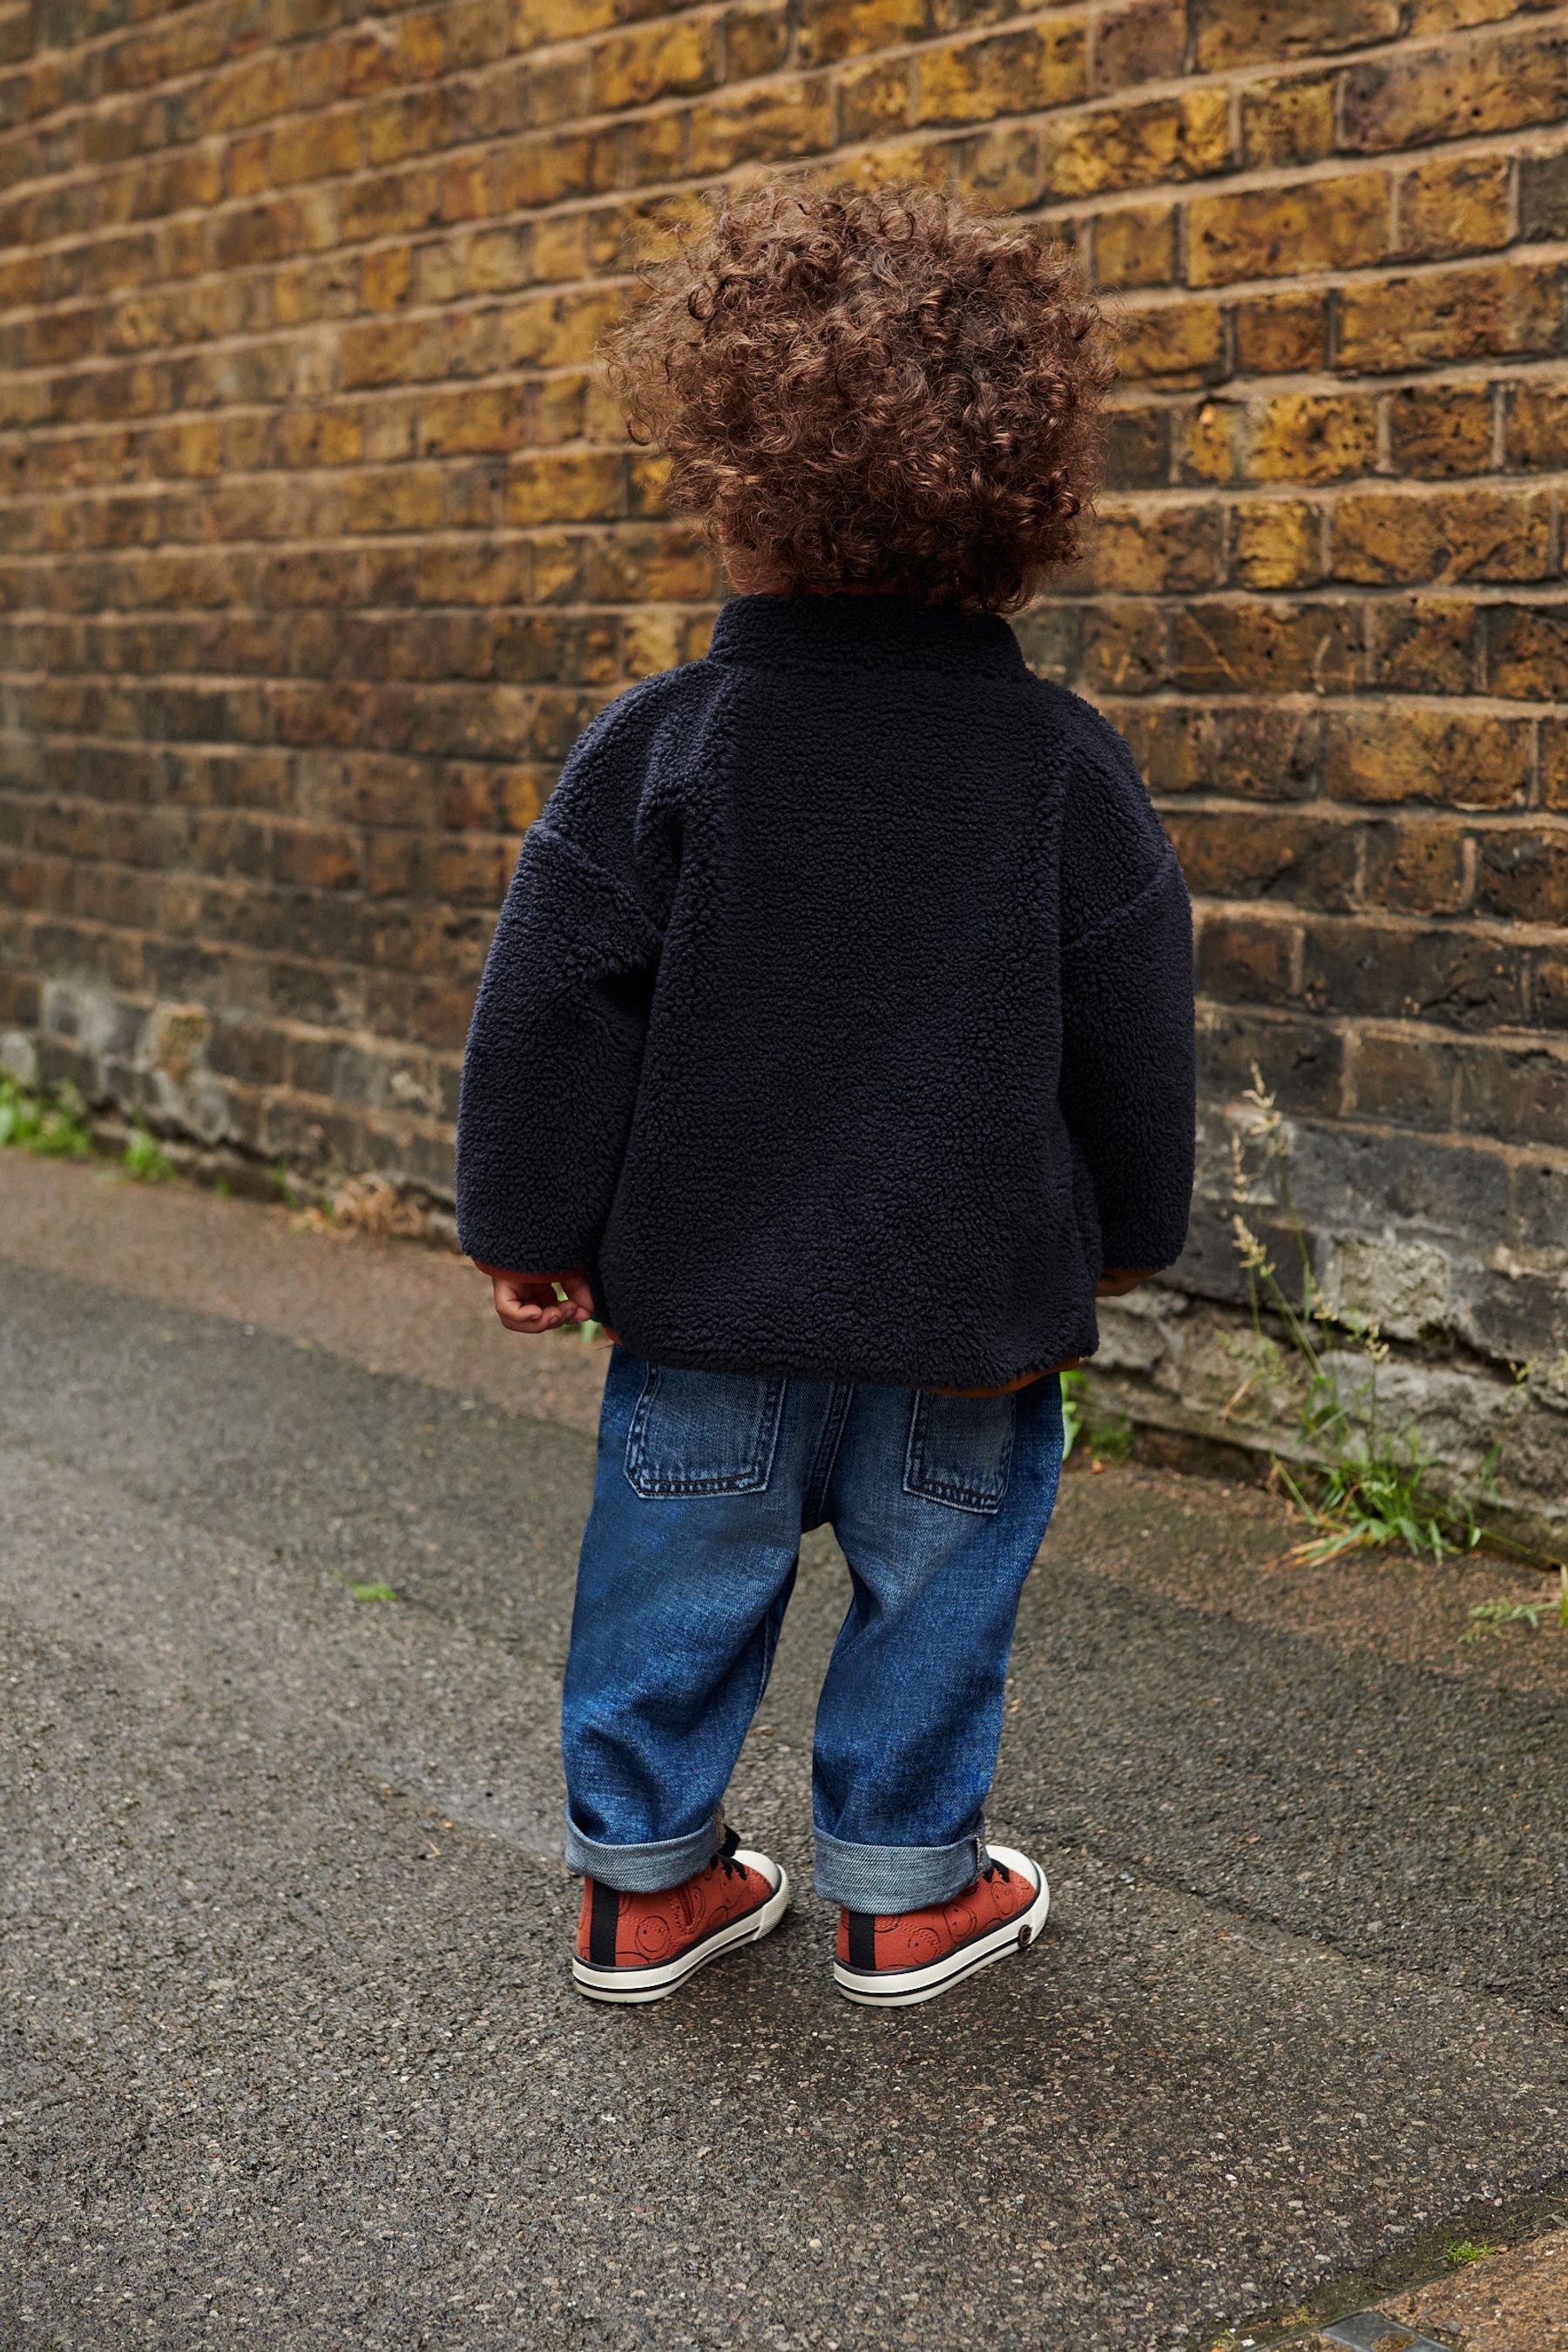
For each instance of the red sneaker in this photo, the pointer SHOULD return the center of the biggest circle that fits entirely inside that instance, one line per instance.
(641, 1947)
(912, 1956)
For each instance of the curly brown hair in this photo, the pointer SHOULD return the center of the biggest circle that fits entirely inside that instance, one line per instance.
(878, 387)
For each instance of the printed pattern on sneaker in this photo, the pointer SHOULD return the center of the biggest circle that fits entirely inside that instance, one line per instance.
(917, 1939)
(617, 1930)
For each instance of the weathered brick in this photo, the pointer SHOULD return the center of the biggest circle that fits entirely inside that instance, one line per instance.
(1310, 437)
(1247, 959)
(1524, 875)
(1412, 752)
(1000, 169)
(1135, 244)
(1288, 121)
(1412, 97)
(1456, 979)
(1427, 645)
(1501, 308)
(1515, 1095)
(1177, 137)
(1276, 854)
(1456, 203)
(1182, 341)
(1381, 536)
(1223, 647)
(1275, 543)
(1393, 1074)
(650, 61)
(843, 28)
(1137, 41)
(1535, 425)
(1137, 448)
(1543, 196)
(1282, 334)
(1420, 866)
(1256, 751)
(1327, 224)
(1440, 429)
(1001, 73)
(1527, 651)
(1154, 548)
(1205, 441)
(873, 96)
(791, 117)
(1246, 32)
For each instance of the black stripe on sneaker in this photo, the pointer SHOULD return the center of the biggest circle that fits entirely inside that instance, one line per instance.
(862, 1939)
(602, 1919)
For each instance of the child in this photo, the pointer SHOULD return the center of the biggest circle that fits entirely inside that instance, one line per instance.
(835, 1047)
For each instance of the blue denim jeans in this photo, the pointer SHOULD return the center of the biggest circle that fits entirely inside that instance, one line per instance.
(705, 1482)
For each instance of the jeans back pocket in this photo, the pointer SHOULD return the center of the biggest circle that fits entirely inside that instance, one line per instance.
(961, 1449)
(703, 1433)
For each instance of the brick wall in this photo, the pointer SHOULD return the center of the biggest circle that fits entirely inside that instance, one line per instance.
(319, 543)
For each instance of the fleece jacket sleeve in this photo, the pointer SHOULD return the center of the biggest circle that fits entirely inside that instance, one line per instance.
(1129, 1058)
(555, 1051)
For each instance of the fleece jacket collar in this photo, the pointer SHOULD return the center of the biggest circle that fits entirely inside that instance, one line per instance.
(863, 633)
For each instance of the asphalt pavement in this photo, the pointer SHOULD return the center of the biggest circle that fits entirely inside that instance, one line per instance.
(289, 2053)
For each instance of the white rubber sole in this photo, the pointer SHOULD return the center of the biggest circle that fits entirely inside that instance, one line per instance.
(658, 1983)
(903, 1988)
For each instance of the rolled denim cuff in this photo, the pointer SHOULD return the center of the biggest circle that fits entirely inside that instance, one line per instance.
(641, 1869)
(887, 1878)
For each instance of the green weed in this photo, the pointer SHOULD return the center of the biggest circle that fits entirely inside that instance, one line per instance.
(372, 1592)
(1460, 2251)
(1491, 1616)
(282, 1184)
(52, 1125)
(145, 1161)
(1111, 1439)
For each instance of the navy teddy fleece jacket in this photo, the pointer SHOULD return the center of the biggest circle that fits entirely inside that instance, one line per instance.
(839, 1019)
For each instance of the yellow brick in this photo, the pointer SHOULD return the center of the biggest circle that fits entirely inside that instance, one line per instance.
(1412, 96)
(473, 417)
(1457, 204)
(928, 161)
(873, 96)
(1336, 224)
(1275, 543)
(404, 498)
(1153, 547)
(1001, 73)
(999, 168)
(770, 123)
(1127, 147)
(654, 61)
(1184, 340)
(1282, 334)
(1450, 314)
(1203, 441)
(1139, 40)
(1312, 437)
(756, 38)
(316, 149)
(846, 28)
(1291, 120)
(535, 22)
(384, 277)
(557, 249)
(1135, 246)
(1248, 32)
(565, 485)
(554, 331)
(1392, 536)
(1397, 751)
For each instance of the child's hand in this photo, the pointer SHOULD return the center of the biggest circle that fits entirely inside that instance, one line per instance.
(1115, 1284)
(527, 1302)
